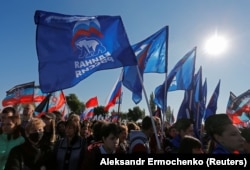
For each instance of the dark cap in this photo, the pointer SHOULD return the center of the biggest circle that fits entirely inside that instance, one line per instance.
(50, 115)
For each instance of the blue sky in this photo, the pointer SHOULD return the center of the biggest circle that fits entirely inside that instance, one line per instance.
(190, 23)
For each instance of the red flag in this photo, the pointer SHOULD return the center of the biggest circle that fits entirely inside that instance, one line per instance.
(92, 102)
(89, 110)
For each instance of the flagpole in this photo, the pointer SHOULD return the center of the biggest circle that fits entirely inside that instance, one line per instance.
(150, 111)
(165, 88)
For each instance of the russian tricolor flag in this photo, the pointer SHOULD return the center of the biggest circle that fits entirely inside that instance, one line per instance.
(89, 110)
(115, 94)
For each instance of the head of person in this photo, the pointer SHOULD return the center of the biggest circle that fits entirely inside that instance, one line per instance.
(60, 128)
(132, 126)
(34, 130)
(7, 112)
(110, 136)
(28, 111)
(170, 132)
(72, 129)
(75, 117)
(184, 127)
(58, 115)
(97, 126)
(11, 126)
(123, 135)
(190, 145)
(147, 126)
(49, 118)
(85, 126)
(221, 129)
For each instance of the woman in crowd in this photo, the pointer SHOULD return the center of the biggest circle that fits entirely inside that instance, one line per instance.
(31, 155)
(123, 143)
(10, 137)
(69, 150)
(225, 138)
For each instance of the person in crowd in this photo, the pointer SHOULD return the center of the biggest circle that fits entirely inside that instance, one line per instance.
(10, 137)
(75, 117)
(245, 133)
(170, 133)
(60, 130)
(225, 138)
(28, 114)
(85, 131)
(7, 112)
(58, 115)
(96, 135)
(123, 143)
(183, 127)
(152, 141)
(190, 145)
(139, 139)
(69, 151)
(110, 137)
(30, 155)
(49, 136)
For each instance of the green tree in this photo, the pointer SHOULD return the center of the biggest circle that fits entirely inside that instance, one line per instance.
(135, 114)
(169, 114)
(99, 110)
(152, 103)
(75, 104)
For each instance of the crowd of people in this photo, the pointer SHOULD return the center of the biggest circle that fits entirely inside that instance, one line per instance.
(50, 142)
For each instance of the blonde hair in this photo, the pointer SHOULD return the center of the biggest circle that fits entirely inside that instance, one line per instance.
(34, 123)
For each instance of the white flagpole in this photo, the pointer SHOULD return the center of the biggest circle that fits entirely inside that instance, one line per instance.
(149, 109)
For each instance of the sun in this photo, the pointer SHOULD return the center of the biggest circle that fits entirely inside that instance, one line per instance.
(216, 45)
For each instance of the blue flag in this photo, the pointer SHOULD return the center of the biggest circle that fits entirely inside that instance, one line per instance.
(212, 105)
(151, 55)
(180, 77)
(72, 47)
(188, 108)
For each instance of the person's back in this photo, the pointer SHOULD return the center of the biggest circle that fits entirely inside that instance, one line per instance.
(139, 140)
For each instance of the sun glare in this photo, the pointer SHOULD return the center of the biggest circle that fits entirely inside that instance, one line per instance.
(216, 45)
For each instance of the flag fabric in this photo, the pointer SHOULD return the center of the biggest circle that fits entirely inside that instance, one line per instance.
(89, 108)
(55, 101)
(204, 98)
(180, 77)
(115, 94)
(239, 101)
(212, 105)
(22, 93)
(39, 96)
(239, 107)
(72, 47)
(197, 111)
(232, 96)
(151, 55)
(189, 107)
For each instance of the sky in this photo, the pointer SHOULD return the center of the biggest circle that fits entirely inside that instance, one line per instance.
(191, 23)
